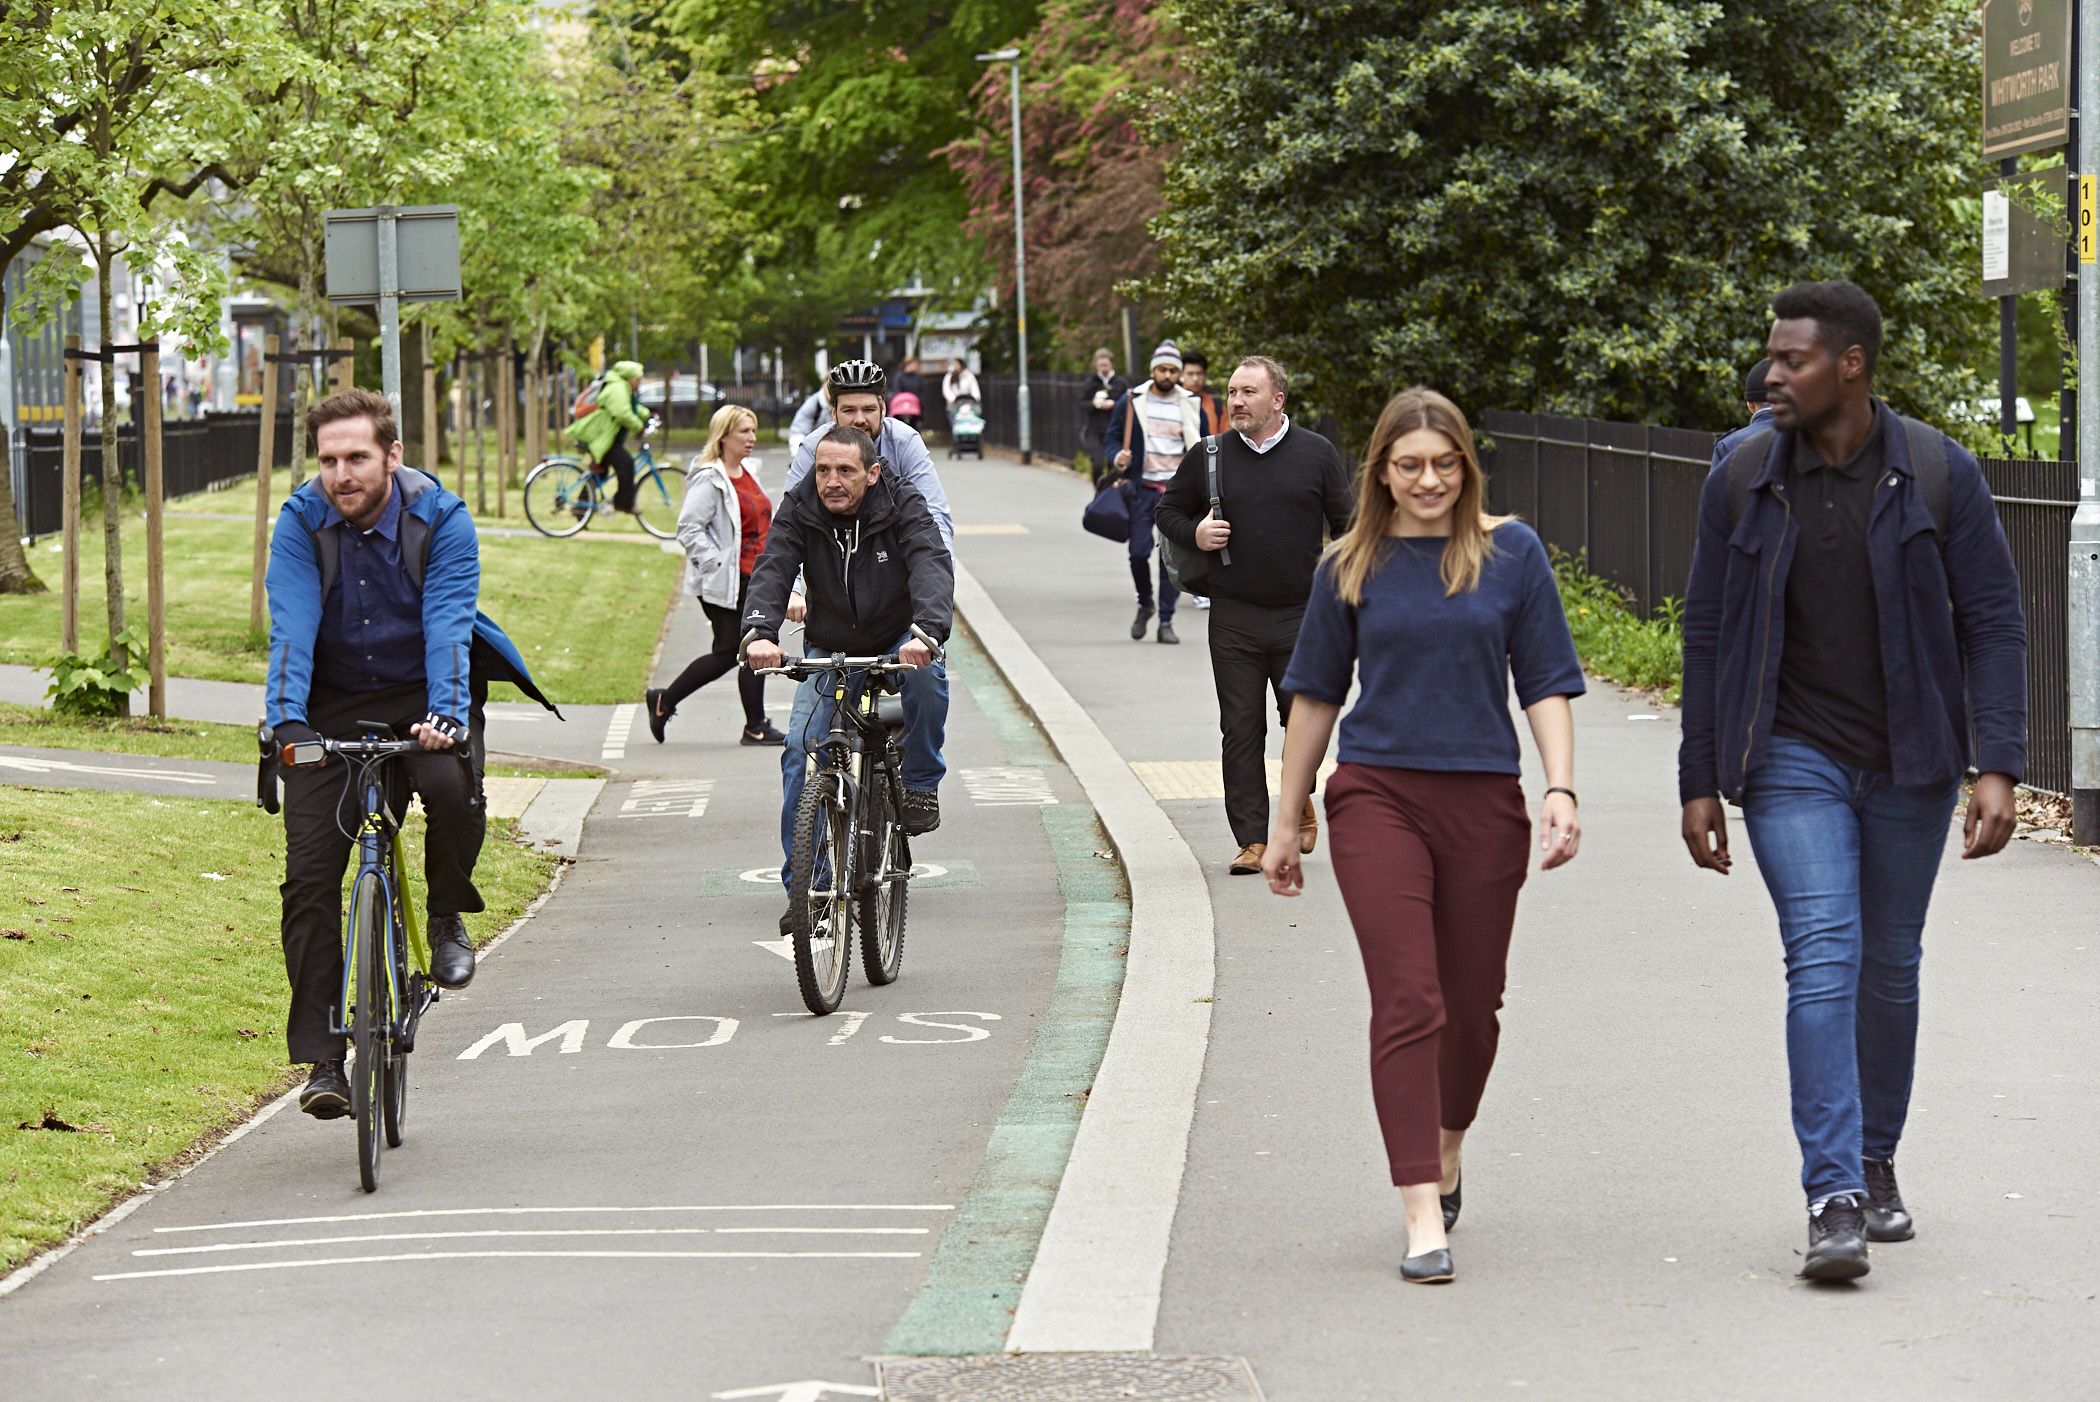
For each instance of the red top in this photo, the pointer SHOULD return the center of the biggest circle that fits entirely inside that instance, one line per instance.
(755, 518)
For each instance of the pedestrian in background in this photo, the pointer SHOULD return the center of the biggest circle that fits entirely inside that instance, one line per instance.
(1288, 490)
(1148, 432)
(813, 411)
(1195, 377)
(1754, 405)
(959, 383)
(1853, 611)
(906, 387)
(722, 525)
(1102, 389)
(1436, 608)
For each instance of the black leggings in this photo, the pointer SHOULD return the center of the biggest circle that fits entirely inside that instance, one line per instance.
(622, 463)
(711, 664)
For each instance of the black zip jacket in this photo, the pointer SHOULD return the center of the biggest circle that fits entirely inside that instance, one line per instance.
(868, 579)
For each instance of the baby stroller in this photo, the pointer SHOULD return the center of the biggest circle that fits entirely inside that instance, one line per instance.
(965, 429)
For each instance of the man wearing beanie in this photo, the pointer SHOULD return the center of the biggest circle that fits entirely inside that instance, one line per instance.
(1149, 432)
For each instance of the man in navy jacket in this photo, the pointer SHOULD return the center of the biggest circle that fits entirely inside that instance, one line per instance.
(373, 578)
(1852, 607)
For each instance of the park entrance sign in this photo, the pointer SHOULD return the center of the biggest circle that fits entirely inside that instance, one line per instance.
(2026, 76)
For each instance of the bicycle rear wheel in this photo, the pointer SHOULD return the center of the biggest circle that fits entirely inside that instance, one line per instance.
(884, 881)
(368, 1017)
(656, 505)
(820, 874)
(560, 498)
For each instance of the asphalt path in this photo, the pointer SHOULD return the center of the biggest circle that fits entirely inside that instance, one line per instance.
(1632, 1224)
(635, 1166)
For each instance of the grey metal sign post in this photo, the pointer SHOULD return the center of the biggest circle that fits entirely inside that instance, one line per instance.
(2083, 601)
(389, 255)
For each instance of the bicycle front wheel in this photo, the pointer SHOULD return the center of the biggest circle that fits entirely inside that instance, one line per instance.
(368, 1022)
(560, 498)
(656, 504)
(820, 875)
(884, 877)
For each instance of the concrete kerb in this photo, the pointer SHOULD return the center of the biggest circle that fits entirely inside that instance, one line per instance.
(1097, 1276)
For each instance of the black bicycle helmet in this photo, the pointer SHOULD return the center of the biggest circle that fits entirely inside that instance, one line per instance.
(856, 376)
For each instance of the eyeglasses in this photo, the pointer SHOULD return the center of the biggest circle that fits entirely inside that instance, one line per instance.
(1449, 465)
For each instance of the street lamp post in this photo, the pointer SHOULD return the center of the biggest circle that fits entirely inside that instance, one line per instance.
(1012, 58)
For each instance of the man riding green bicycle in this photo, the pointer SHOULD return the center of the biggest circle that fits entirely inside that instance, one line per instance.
(373, 579)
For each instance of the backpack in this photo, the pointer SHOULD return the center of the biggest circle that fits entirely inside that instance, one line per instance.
(1186, 565)
(1928, 468)
(587, 399)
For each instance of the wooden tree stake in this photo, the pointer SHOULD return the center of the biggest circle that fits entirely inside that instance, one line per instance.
(266, 445)
(156, 574)
(69, 588)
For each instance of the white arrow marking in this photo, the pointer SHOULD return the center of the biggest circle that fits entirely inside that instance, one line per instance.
(54, 766)
(808, 1391)
(783, 946)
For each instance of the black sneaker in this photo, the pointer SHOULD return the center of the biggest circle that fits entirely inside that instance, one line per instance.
(1837, 1241)
(1144, 617)
(657, 720)
(327, 1093)
(1887, 1218)
(787, 921)
(922, 811)
(765, 733)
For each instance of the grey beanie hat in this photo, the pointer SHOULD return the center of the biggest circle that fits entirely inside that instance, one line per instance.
(1167, 354)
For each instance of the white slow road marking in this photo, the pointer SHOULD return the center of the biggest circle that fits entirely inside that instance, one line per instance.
(616, 731)
(220, 1246)
(770, 876)
(519, 1255)
(420, 1212)
(668, 798)
(61, 766)
(1008, 787)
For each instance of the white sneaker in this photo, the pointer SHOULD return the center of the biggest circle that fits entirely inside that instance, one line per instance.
(1201, 601)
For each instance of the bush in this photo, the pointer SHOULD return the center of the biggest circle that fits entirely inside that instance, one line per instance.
(1612, 638)
(94, 687)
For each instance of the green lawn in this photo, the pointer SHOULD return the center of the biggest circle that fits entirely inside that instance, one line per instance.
(142, 990)
(585, 613)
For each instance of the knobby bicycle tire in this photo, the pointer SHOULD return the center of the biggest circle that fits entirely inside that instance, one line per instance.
(368, 1024)
(822, 931)
(560, 498)
(885, 851)
(656, 506)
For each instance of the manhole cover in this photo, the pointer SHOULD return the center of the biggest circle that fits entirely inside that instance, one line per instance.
(1068, 1377)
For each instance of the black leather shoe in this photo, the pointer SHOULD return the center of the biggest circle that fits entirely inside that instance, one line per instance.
(1451, 1202)
(1167, 633)
(787, 921)
(1429, 1268)
(451, 952)
(1887, 1218)
(657, 721)
(1837, 1242)
(327, 1093)
(1137, 629)
(922, 811)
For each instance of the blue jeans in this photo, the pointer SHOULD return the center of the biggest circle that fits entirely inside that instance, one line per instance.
(1144, 505)
(925, 692)
(1849, 858)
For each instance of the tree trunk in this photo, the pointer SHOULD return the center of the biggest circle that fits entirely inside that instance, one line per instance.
(16, 577)
(112, 473)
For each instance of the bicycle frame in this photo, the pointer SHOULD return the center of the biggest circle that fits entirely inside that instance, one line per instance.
(380, 851)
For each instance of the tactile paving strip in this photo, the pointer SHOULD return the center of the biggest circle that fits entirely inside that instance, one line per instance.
(1069, 1377)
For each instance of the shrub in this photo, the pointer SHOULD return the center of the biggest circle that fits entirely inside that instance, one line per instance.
(1612, 638)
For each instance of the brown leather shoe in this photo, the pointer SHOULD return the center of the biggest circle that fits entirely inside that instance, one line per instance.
(1248, 862)
(1308, 829)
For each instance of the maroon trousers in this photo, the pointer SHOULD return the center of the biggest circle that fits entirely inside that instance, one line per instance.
(1429, 865)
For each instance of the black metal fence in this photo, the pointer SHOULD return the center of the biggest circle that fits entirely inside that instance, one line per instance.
(196, 455)
(1626, 497)
(1057, 412)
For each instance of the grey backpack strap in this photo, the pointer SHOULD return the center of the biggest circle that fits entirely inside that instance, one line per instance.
(415, 547)
(1744, 465)
(328, 550)
(1210, 469)
(1928, 468)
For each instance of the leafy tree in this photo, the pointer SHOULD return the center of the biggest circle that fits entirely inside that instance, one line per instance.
(1572, 205)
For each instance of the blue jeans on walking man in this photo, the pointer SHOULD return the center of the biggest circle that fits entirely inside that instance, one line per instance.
(1144, 505)
(1850, 858)
(925, 692)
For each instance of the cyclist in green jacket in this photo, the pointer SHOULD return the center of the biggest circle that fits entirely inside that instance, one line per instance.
(602, 433)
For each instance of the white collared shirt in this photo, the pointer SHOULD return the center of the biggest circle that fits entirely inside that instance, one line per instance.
(1283, 426)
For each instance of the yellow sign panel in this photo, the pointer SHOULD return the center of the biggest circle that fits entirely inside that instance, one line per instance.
(2088, 235)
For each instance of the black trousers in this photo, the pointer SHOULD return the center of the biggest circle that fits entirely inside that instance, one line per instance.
(719, 658)
(322, 809)
(622, 463)
(1250, 649)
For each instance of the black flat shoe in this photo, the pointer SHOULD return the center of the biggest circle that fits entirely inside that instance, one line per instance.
(1887, 1218)
(657, 720)
(1451, 1203)
(1429, 1268)
(451, 952)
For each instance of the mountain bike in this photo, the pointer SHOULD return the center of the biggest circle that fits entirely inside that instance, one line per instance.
(386, 958)
(565, 492)
(849, 867)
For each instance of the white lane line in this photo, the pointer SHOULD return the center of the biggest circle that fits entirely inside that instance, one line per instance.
(616, 731)
(62, 766)
(519, 1255)
(216, 1247)
(423, 1212)
(668, 798)
(1101, 1264)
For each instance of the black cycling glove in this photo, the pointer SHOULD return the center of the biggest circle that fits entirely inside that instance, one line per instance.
(446, 726)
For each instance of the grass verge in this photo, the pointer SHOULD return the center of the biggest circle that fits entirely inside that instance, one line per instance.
(142, 989)
(1614, 641)
(584, 613)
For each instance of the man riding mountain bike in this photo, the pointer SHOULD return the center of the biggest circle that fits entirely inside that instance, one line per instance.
(879, 579)
(373, 579)
(602, 432)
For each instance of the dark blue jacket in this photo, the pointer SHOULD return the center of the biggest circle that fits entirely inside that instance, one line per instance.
(1726, 443)
(1939, 661)
(462, 649)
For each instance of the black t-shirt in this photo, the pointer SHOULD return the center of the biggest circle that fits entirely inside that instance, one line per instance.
(1832, 692)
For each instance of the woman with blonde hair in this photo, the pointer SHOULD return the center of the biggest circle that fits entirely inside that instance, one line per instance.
(1435, 606)
(722, 525)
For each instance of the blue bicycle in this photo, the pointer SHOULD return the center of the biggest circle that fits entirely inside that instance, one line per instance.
(564, 493)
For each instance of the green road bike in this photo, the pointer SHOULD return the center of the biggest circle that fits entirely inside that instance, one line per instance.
(849, 868)
(386, 957)
(564, 493)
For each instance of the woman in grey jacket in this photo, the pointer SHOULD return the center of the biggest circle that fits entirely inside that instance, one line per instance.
(723, 526)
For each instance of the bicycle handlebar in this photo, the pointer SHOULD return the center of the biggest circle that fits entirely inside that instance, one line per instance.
(807, 667)
(304, 752)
